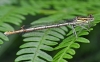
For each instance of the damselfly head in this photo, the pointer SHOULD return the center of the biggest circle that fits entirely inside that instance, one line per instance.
(91, 17)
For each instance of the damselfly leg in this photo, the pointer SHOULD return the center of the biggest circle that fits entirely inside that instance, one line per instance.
(74, 31)
(83, 26)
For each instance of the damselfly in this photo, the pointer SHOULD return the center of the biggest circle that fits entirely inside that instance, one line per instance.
(75, 21)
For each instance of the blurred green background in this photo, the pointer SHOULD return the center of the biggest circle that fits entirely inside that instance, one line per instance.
(86, 53)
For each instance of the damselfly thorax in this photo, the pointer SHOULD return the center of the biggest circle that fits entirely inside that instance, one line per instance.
(75, 21)
(85, 19)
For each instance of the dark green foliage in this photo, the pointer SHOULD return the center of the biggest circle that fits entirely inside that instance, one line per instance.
(59, 41)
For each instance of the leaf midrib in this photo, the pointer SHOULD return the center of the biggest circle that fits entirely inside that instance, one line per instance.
(43, 37)
(66, 50)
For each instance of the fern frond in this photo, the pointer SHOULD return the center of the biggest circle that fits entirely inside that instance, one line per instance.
(10, 15)
(67, 47)
(39, 42)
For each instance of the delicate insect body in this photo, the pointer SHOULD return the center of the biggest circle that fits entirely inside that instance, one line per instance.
(76, 21)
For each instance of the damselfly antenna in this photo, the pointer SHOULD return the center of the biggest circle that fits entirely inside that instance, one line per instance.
(75, 21)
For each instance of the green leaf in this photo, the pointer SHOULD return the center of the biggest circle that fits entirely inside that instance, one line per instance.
(75, 45)
(6, 27)
(71, 51)
(3, 37)
(83, 40)
(67, 56)
(32, 39)
(1, 42)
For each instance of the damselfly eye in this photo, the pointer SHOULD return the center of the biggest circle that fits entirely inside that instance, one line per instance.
(90, 16)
